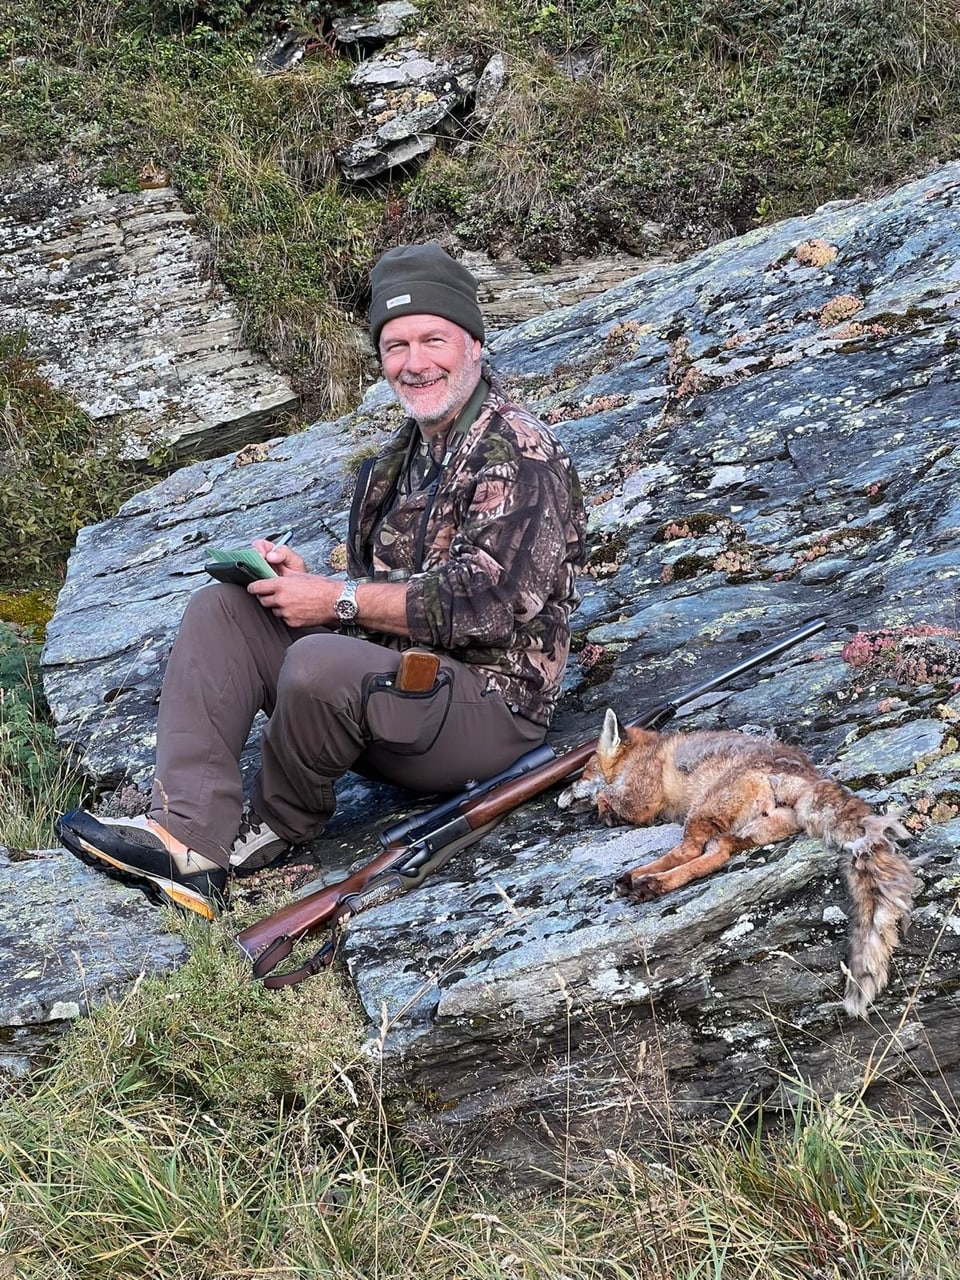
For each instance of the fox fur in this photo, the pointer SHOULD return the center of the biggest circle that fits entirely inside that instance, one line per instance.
(733, 792)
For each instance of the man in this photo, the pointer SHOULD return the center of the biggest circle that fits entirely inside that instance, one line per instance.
(463, 538)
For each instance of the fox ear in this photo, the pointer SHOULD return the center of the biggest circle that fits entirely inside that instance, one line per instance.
(611, 736)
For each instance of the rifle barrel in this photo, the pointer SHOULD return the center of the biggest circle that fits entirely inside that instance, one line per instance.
(748, 664)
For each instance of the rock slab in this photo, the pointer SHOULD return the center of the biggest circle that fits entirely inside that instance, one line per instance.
(69, 940)
(408, 99)
(116, 294)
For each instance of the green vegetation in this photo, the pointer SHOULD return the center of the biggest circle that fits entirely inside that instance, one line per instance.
(35, 782)
(59, 471)
(703, 117)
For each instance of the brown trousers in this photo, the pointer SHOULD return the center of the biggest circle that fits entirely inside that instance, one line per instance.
(327, 713)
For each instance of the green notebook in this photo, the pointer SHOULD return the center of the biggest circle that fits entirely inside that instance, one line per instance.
(239, 566)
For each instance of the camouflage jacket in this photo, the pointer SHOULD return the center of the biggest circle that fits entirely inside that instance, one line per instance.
(495, 586)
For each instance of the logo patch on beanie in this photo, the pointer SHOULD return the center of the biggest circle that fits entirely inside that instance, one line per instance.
(399, 301)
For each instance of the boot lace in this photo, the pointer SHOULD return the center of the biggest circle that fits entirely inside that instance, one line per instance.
(250, 824)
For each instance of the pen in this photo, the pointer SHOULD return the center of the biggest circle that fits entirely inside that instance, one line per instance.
(282, 538)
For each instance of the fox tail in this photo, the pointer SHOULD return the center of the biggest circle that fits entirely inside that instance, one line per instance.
(879, 878)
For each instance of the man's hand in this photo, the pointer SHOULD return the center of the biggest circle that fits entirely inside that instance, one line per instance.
(302, 599)
(282, 559)
(299, 599)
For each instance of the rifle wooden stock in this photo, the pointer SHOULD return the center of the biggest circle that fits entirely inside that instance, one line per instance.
(281, 931)
(403, 864)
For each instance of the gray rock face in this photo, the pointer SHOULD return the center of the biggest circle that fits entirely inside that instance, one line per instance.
(117, 298)
(386, 22)
(766, 433)
(129, 579)
(510, 292)
(69, 939)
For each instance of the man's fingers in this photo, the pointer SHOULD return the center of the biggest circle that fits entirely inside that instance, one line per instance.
(279, 556)
(285, 560)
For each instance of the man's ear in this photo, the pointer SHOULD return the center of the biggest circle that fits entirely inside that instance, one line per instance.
(611, 737)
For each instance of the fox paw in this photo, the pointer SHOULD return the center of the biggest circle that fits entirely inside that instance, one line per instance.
(640, 888)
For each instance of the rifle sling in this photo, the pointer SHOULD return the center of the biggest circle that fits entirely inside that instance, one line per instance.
(290, 977)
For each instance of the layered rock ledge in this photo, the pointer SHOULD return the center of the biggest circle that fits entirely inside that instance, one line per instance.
(123, 312)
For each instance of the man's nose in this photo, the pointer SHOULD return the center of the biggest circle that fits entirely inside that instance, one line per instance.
(418, 357)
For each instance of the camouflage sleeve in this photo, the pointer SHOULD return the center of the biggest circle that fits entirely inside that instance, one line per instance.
(506, 557)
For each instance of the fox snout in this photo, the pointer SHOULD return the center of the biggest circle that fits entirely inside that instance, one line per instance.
(605, 779)
(580, 796)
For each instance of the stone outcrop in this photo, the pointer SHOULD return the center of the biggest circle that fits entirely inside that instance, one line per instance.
(408, 100)
(354, 32)
(67, 945)
(116, 294)
(385, 23)
(510, 292)
(766, 433)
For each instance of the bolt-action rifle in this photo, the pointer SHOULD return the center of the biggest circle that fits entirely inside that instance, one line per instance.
(422, 844)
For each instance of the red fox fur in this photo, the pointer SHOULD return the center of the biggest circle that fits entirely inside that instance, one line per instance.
(733, 792)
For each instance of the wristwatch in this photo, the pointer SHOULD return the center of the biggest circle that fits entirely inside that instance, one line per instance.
(345, 605)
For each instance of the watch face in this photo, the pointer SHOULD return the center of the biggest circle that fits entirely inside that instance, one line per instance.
(345, 607)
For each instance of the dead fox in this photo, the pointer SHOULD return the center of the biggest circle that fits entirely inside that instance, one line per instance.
(733, 792)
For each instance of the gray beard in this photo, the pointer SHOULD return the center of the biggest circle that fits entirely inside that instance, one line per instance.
(431, 421)
(449, 413)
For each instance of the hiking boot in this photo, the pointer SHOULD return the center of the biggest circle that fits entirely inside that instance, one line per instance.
(135, 851)
(256, 845)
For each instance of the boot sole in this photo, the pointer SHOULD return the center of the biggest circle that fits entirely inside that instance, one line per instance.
(160, 891)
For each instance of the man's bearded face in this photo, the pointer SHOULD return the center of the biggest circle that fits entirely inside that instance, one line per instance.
(432, 366)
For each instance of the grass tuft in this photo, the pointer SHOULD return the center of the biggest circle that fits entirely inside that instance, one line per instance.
(36, 783)
(59, 470)
(125, 1160)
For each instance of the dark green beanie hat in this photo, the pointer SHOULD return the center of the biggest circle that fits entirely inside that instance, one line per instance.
(423, 280)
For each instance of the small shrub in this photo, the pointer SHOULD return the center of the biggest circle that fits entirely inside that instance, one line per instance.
(227, 15)
(21, 726)
(920, 653)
